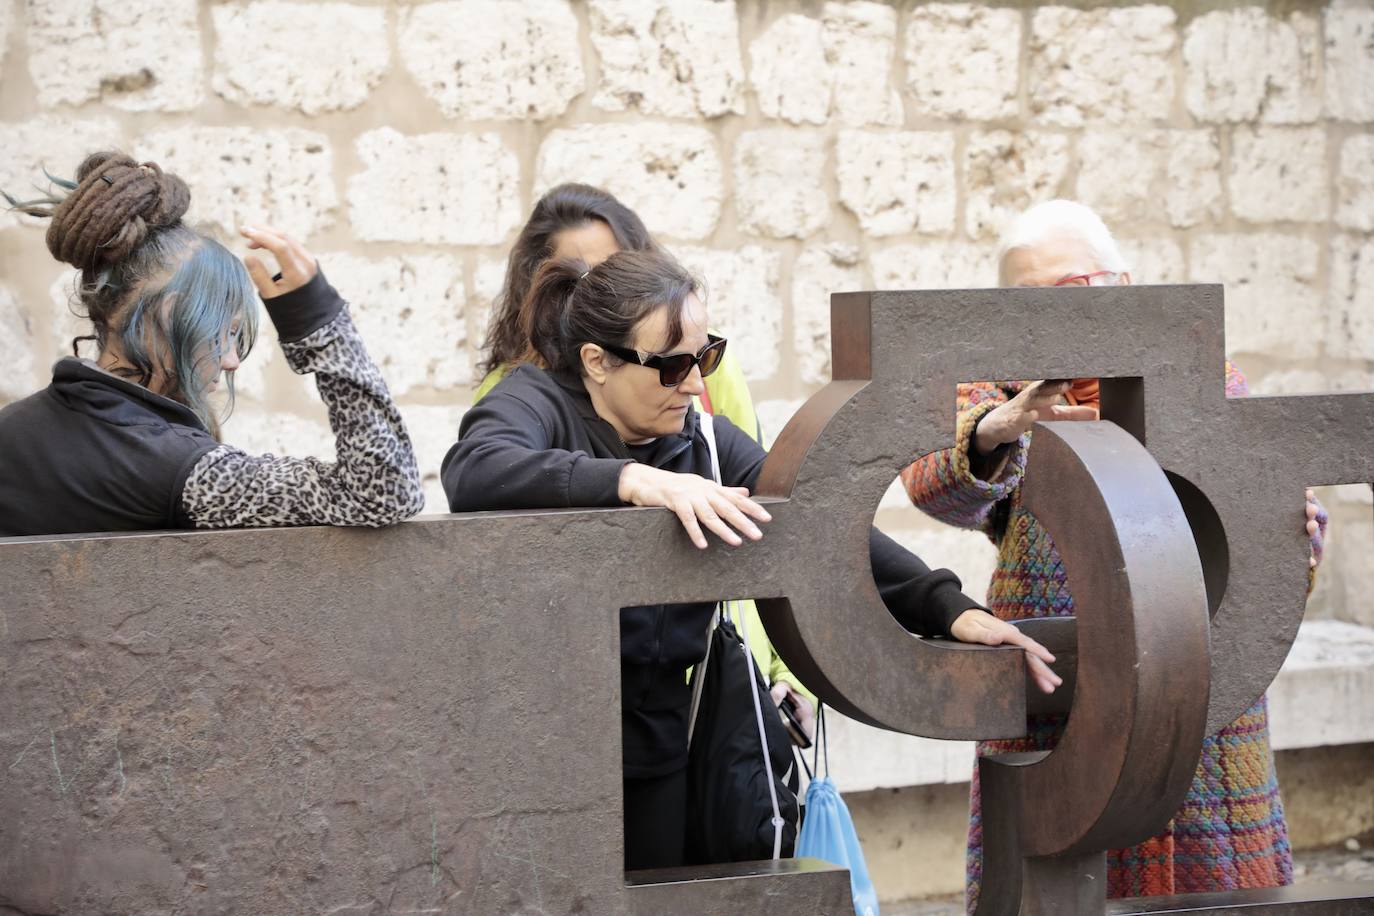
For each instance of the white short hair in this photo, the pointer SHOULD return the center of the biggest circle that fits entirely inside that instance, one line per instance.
(1044, 221)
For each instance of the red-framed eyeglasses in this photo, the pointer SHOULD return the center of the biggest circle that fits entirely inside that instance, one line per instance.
(1097, 278)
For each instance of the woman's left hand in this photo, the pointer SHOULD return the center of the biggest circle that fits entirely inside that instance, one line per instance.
(1316, 527)
(806, 713)
(978, 626)
(298, 266)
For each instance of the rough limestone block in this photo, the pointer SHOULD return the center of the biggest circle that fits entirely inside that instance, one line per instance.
(818, 272)
(1350, 299)
(1351, 573)
(1273, 302)
(6, 25)
(1279, 173)
(1317, 381)
(66, 322)
(1244, 65)
(773, 416)
(51, 142)
(263, 431)
(741, 296)
(679, 58)
(963, 61)
(935, 265)
(1192, 192)
(1131, 176)
(313, 57)
(1006, 172)
(898, 182)
(409, 310)
(860, 40)
(487, 59)
(1350, 63)
(780, 182)
(669, 173)
(848, 57)
(1355, 184)
(282, 178)
(1153, 261)
(443, 189)
(21, 377)
(1102, 64)
(143, 56)
(488, 279)
(433, 429)
(799, 95)
(1320, 697)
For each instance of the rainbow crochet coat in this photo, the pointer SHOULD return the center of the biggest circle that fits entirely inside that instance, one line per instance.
(1230, 832)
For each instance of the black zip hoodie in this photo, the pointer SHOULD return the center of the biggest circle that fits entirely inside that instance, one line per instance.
(536, 442)
(93, 452)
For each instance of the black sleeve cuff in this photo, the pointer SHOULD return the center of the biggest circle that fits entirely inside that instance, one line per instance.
(950, 603)
(303, 311)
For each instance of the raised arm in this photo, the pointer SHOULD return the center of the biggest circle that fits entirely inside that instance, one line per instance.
(957, 485)
(375, 480)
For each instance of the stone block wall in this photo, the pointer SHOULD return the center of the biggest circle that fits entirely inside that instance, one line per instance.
(783, 148)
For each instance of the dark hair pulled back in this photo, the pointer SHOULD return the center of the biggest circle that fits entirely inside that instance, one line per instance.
(570, 304)
(166, 293)
(567, 206)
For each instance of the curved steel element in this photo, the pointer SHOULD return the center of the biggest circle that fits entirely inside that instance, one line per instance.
(898, 357)
(1129, 750)
(843, 449)
(426, 718)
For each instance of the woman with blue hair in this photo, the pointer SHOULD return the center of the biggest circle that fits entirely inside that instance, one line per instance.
(130, 440)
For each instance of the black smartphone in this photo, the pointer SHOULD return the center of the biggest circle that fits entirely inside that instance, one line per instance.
(788, 710)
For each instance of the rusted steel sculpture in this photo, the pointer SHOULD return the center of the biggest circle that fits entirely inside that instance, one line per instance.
(1126, 749)
(426, 719)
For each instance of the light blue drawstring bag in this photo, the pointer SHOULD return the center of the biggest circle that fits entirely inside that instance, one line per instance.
(827, 831)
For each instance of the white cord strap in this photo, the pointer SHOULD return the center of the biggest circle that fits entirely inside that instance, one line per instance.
(708, 432)
(778, 822)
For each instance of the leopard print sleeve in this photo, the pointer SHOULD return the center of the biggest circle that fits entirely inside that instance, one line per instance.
(374, 482)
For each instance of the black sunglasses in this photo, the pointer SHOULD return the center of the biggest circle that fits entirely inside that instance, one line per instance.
(674, 368)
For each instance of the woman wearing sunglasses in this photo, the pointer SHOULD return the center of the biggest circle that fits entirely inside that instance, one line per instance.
(599, 413)
(574, 220)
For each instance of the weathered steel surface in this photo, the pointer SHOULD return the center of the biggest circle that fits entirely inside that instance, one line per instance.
(319, 720)
(1140, 707)
(426, 718)
(1161, 349)
(1347, 899)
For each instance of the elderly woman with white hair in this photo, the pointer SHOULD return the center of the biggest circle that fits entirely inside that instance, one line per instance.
(1230, 832)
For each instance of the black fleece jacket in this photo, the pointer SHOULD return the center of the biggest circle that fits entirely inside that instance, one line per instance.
(536, 442)
(94, 452)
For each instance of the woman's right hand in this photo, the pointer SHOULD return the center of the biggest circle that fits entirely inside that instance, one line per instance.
(298, 266)
(978, 626)
(696, 501)
(1010, 421)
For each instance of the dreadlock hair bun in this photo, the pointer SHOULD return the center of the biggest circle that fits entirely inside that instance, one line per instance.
(116, 203)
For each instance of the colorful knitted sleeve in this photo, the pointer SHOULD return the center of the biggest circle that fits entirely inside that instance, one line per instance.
(943, 485)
